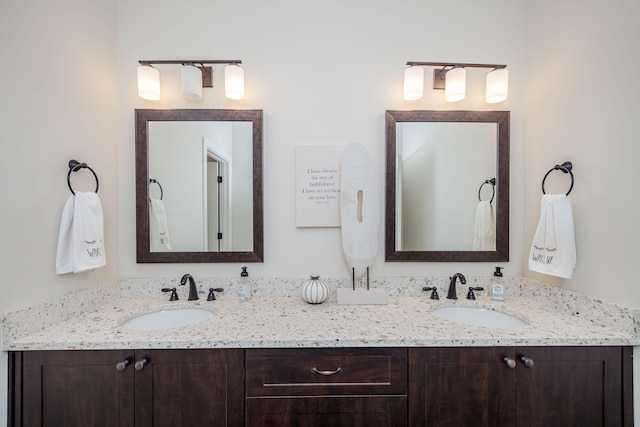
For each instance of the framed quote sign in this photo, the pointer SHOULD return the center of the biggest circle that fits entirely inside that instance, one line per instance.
(318, 185)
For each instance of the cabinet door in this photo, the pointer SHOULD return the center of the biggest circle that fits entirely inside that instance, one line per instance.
(570, 386)
(77, 388)
(334, 411)
(461, 387)
(190, 388)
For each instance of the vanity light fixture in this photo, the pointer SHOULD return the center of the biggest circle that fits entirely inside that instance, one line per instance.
(452, 78)
(195, 76)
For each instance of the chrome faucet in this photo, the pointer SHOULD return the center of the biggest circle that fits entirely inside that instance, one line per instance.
(193, 291)
(451, 293)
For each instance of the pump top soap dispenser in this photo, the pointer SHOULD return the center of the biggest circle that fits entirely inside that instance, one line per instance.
(497, 285)
(244, 287)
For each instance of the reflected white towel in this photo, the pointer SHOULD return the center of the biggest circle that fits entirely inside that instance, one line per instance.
(359, 208)
(484, 234)
(158, 230)
(81, 236)
(553, 251)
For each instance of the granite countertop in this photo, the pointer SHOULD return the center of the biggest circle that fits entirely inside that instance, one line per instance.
(286, 321)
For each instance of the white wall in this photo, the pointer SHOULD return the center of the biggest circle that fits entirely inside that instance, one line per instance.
(59, 91)
(324, 73)
(581, 96)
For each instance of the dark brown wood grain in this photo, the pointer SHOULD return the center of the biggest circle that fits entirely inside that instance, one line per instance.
(176, 388)
(370, 389)
(77, 388)
(579, 386)
(273, 372)
(190, 388)
(452, 387)
(567, 386)
(333, 411)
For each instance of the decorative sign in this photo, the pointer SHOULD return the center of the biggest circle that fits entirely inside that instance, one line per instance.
(318, 185)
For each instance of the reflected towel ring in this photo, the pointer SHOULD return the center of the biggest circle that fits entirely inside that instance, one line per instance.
(153, 181)
(566, 168)
(491, 181)
(75, 166)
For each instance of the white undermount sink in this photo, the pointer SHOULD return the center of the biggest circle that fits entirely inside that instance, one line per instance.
(477, 316)
(165, 319)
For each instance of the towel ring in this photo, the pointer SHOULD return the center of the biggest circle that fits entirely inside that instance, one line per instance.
(491, 181)
(153, 181)
(75, 166)
(566, 168)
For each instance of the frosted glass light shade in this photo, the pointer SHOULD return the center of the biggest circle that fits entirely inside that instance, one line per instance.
(234, 82)
(148, 83)
(413, 83)
(191, 83)
(497, 86)
(455, 84)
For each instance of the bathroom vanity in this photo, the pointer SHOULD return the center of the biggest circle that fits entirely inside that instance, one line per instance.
(321, 387)
(277, 361)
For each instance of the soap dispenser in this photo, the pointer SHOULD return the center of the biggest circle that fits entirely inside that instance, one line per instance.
(497, 285)
(244, 288)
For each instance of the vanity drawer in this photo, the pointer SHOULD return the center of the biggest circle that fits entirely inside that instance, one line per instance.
(313, 372)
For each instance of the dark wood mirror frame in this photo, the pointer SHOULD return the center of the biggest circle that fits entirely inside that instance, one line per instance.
(501, 118)
(143, 252)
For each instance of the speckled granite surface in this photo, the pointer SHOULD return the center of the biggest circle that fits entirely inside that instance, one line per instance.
(277, 317)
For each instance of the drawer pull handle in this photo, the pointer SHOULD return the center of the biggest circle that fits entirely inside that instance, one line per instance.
(326, 373)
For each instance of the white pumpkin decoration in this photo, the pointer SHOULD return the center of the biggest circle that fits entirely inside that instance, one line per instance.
(314, 291)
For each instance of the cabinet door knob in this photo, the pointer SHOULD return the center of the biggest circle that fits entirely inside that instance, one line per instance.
(122, 365)
(526, 361)
(140, 364)
(509, 362)
(326, 373)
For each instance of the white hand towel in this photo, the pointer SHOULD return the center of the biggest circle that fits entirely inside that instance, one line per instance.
(484, 234)
(81, 237)
(158, 230)
(64, 254)
(553, 251)
(88, 232)
(359, 208)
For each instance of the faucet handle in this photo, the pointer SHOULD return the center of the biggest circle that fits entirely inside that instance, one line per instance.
(434, 292)
(174, 294)
(471, 295)
(212, 295)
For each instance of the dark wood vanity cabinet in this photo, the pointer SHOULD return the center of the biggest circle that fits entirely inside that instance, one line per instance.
(367, 387)
(155, 388)
(364, 387)
(564, 386)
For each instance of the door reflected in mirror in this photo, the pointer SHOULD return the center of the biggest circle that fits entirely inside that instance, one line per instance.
(447, 186)
(199, 185)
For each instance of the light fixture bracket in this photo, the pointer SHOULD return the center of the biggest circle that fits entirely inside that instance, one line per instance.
(207, 72)
(439, 73)
(439, 78)
(207, 76)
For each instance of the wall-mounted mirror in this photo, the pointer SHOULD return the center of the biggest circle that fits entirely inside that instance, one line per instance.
(447, 186)
(199, 186)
